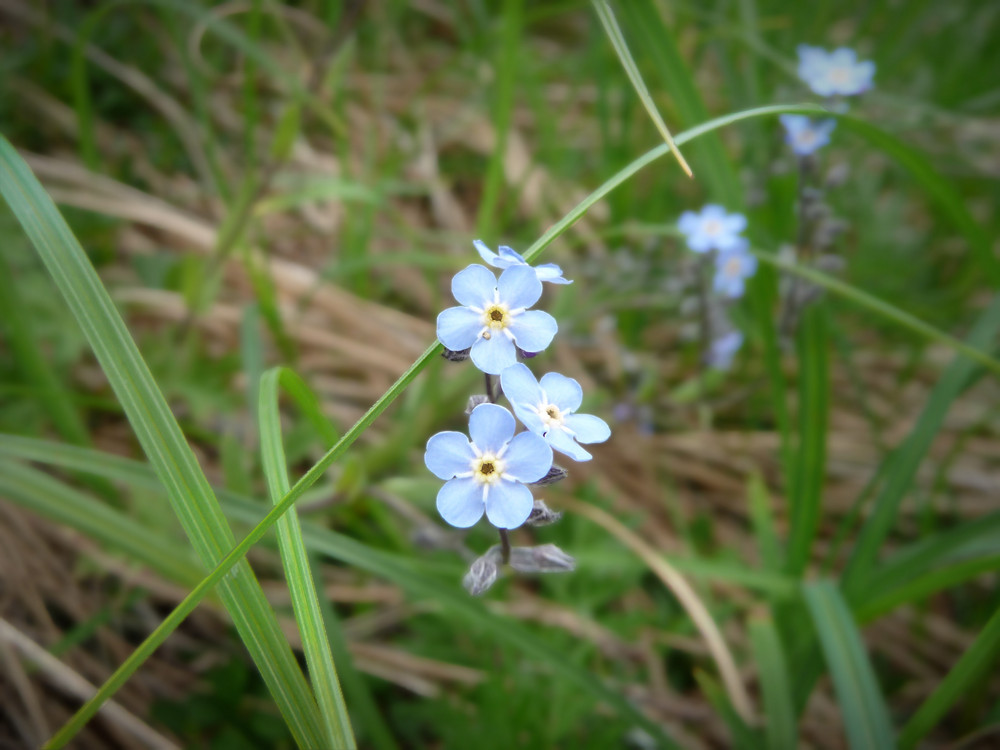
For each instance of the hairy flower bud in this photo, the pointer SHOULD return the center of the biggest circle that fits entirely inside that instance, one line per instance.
(556, 474)
(547, 558)
(484, 572)
(542, 515)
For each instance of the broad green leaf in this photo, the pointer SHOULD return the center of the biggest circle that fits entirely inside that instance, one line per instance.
(862, 706)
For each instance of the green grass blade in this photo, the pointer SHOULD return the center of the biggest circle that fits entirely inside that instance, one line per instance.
(781, 728)
(973, 350)
(298, 573)
(762, 520)
(974, 665)
(809, 474)
(865, 716)
(160, 436)
(657, 42)
(937, 188)
(617, 39)
(911, 453)
(66, 505)
(236, 554)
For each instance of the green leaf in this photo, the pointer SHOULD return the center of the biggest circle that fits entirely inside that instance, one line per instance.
(975, 665)
(781, 728)
(305, 601)
(910, 454)
(809, 473)
(163, 442)
(865, 716)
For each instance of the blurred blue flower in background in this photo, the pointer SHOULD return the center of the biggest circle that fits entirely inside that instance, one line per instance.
(711, 229)
(507, 257)
(805, 135)
(490, 472)
(722, 350)
(732, 268)
(548, 408)
(837, 73)
(494, 320)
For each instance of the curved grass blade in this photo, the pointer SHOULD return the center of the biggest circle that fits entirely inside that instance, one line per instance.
(189, 492)
(866, 718)
(974, 665)
(305, 601)
(614, 33)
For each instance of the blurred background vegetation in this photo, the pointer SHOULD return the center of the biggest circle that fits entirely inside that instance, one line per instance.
(261, 183)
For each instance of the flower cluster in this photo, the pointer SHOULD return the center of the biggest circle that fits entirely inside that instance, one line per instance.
(491, 471)
(832, 75)
(715, 231)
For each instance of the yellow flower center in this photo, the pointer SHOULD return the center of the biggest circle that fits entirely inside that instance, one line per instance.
(712, 227)
(733, 267)
(496, 317)
(550, 416)
(487, 469)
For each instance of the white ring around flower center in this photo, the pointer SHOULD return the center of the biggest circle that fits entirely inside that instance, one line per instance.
(487, 469)
(712, 227)
(551, 416)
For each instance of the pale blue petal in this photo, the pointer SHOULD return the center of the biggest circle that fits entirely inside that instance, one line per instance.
(448, 454)
(563, 392)
(588, 428)
(493, 355)
(458, 328)
(551, 273)
(460, 502)
(520, 386)
(508, 505)
(534, 330)
(512, 256)
(490, 427)
(713, 211)
(474, 286)
(563, 443)
(528, 457)
(699, 243)
(689, 223)
(519, 287)
(487, 255)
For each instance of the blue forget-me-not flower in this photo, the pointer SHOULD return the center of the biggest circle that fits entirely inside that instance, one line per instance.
(711, 229)
(494, 319)
(837, 73)
(722, 350)
(508, 256)
(548, 408)
(732, 268)
(805, 135)
(490, 472)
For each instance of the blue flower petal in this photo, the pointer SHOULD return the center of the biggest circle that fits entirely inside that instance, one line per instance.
(460, 502)
(458, 328)
(528, 457)
(487, 255)
(564, 393)
(448, 454)
(524, 393)
(588, 428)
(474, 285)
(551, 273)
(519, 287)
(563, 443)
(508, 505)
(493, 355)
(512, 256)
(491, 427)
(689, 223)
(533, 330)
